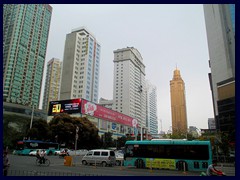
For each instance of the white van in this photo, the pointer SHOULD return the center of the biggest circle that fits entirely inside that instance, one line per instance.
(100, 156)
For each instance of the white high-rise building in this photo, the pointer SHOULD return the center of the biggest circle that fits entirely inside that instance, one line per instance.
(152, 120)
(52, 82)
(129, 94)
(81, 63)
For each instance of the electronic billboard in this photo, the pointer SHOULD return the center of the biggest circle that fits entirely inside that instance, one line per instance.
(64, 106)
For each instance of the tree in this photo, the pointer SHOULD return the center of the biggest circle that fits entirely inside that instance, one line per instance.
(121, 141)
(107, 140)
(14, 129)
(40, 130)
(224, 145)
(63, 127)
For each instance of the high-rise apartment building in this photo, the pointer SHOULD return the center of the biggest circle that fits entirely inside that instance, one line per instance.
(52, 82)
(220, 28)
(81, 63)
(152, 120)
(25, 37)
(178, 104)
(129, 94)
(106, 103)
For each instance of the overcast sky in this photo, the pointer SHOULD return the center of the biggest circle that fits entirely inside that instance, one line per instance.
(166, 36)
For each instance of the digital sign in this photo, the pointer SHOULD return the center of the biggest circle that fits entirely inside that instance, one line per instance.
(64, 106)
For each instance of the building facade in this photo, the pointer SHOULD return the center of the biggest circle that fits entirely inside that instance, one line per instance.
(211, 123)
(129, 91)
(106, 103)
(24, 111)
(220, 28)
(106, 120)
(178, 104)
(52, 82)
(152, 119)
(25, 37)
(81, 65)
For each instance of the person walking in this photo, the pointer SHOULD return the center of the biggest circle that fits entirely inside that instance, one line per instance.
(6, 163)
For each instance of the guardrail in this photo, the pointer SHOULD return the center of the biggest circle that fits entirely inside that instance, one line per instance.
(224, 159)
(44, 173)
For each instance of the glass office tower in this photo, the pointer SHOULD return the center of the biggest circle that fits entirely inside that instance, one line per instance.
(25, 36)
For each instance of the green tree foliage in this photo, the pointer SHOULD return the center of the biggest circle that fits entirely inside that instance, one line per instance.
(63, 127)
(121, 141)
(40, 130)
(224, 145)
(14, 129)
(107, 140)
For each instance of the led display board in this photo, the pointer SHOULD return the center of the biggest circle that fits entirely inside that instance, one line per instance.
(64, 106)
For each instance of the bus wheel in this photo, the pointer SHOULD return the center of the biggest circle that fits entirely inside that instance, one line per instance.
(139, 163)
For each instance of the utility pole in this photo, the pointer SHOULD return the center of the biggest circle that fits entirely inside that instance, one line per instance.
(31, 120)
(32, 117)
(140, 91)
(76, 138)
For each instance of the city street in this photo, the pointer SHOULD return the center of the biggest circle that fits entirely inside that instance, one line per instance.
(25, 166)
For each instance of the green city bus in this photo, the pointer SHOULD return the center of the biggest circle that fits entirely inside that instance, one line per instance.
(168, 154)
(26, 146)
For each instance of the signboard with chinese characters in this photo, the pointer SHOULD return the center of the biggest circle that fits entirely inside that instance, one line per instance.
(160, 163)
(101, 112)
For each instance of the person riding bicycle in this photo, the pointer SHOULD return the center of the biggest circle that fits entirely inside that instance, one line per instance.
(38, 155)
(212, 171)
(42, 157)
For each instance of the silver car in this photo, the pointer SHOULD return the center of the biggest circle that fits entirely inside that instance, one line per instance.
(100, 156)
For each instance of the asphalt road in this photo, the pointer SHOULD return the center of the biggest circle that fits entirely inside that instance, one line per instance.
(25, 166)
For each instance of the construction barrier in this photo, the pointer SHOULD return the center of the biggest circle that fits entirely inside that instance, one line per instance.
(68, 160)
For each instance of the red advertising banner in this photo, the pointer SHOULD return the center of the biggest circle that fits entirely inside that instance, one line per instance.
(98, 111)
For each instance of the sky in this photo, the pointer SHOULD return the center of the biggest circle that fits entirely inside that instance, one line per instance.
(167, 36)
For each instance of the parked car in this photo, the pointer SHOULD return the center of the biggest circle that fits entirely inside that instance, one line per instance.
(79, 152)
(34, 152)
(100, 156)
(57, 152)
(64, 152)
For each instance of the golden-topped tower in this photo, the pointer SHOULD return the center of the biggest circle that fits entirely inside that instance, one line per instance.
(178, 104)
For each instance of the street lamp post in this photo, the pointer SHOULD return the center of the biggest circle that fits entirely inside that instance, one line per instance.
(31, 120)
(32, 117)
(76, 138)
(140, 91)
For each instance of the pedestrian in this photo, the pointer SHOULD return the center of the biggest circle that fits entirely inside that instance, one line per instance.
(6, 163)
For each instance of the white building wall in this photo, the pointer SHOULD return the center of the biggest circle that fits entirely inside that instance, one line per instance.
(81, 66)
(152, 120)
(129, 75)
